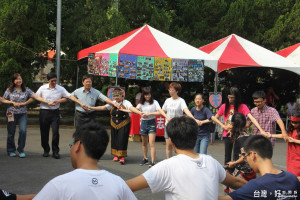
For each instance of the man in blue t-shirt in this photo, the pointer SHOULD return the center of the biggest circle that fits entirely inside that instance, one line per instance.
(273, 183)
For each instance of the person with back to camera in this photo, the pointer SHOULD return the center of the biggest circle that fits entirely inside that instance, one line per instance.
(120, 124)
(293, 148)
(203, 114)
(273, 183)
(233, 105)
(150, 108)
(18, 96)
(87, 181)
(188, 175)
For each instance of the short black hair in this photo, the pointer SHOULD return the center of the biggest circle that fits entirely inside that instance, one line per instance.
(86, 76)
(259, 94)
(183, 132)
(51, 75)
(94, 139)
(260, 144)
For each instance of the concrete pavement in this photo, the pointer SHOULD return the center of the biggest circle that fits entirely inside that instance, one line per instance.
(30, 174)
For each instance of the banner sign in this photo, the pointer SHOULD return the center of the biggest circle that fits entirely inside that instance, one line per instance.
(91, 61)
(162, 69)
(196, 70)
(145, 68)
(127, 66)
(179, 70)
(113, 63)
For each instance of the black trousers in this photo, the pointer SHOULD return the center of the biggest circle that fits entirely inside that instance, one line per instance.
(49, 118)
(228, 149)
(82, 118)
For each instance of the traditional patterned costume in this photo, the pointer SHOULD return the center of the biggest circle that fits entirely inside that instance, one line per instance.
(120, 128)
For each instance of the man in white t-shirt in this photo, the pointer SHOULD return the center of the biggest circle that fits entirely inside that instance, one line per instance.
(188, 175)
(87, 181)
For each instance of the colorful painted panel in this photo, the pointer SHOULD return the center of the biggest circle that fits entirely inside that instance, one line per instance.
(196, 71)
(91, 61)
(113, 63)
(179, 70)
(103, 64)
(162, 69)
(127, 66)
(145, 68)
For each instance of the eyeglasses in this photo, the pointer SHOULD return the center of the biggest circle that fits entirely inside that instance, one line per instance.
(258, 102)
(52, 81)
(246, 155)
(73, 142)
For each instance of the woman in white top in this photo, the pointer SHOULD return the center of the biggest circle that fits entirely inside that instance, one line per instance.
(174, 107)
(150, 108)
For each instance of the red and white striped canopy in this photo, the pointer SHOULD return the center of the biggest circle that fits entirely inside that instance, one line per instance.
(147, 41)
(292, 53)
(234, 51)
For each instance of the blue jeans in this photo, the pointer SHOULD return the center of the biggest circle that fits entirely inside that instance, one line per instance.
(20, 119)
(201, 144)
(148, 127)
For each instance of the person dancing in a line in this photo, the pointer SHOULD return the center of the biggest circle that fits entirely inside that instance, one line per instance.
(120, 124)
(233, 105)
(18, 96)
(150, 108)
(174, 107)
(293, 148)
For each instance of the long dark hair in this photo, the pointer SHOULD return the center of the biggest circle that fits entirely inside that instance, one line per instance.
(239, 122)
(145, 91)
(237, 102)
(13, 85)
(291, 127)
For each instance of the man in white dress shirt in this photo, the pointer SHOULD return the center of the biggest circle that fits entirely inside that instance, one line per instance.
(49, 112)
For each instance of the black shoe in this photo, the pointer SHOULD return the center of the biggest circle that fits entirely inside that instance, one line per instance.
(144, 162)
(151, 164)
(45, 154)
(56, 155)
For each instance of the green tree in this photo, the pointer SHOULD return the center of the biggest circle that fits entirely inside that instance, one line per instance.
(23, 32)
(286, 29)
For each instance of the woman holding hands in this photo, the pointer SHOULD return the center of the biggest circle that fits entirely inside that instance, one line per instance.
(18, 96)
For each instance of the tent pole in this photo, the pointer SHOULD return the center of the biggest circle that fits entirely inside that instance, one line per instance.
(216, 82)
(117, 68)
(58, 39)
(77, 71)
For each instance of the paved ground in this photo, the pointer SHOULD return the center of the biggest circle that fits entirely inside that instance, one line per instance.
(30, 174)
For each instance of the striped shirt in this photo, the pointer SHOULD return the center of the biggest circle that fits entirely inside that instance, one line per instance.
(266, 118)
